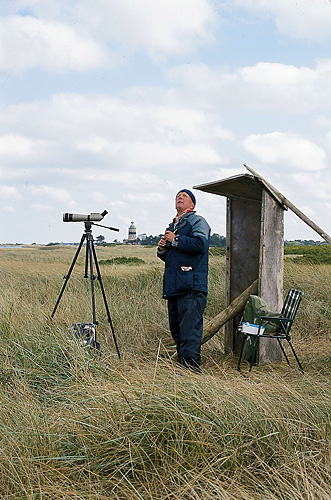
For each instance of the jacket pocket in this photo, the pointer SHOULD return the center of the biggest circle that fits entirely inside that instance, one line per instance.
(184, 279)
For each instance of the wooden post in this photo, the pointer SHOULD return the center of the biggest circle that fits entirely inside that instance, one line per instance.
(271, 267)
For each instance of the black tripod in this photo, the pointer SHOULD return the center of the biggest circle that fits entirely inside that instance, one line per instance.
(91, 257)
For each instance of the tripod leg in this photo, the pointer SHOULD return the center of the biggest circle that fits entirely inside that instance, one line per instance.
(88, 233)
(104, 298)
(89, 259)
(69, 273)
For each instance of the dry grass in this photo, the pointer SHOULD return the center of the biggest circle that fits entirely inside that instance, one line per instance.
(74, 426)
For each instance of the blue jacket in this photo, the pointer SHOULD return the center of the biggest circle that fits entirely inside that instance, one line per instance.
(186, 259)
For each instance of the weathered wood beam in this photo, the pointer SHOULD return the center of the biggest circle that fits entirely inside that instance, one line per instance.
(290, 205)
(230, 312)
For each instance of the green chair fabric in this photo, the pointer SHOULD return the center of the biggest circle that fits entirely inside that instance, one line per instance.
(277, 325)
(255, 308)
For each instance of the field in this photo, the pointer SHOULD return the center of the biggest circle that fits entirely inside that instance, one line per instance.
(78, 426)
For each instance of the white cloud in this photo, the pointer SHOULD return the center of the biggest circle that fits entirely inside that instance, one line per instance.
(44, 208)
(17, 147)
(82, 35)
(99, 197)
(151, 113)
(9, 209)
(9, 193)
(318, 190)
(27, 42)
(152, 154)
(323, 121)
(263, 86)
(160, 28)
(308, 19)
(286, 150)
(51, 193)
(15, 173)
(115, 135)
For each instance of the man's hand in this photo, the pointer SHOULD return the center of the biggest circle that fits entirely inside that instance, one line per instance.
(169, 236)
(162, 243)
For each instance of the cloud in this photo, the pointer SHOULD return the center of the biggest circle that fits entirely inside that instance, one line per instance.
(308, 19)
(152, 154)
(81, 35)
(162, 28)
(51, 193)
(286, 150)
(318, 190)
(262, 87)
(112, 135)
(30, 42)
(16, 147)
(43, 208)
(9, 193)
(9, 209)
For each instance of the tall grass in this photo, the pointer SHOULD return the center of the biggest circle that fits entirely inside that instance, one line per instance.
(77, 426)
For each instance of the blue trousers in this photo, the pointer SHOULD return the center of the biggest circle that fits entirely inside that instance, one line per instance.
(186, 325)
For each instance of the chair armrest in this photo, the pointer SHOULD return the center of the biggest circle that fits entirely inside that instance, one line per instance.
(274, 318)
(283, 322)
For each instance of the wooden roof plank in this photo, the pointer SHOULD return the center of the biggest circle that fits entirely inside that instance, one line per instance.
(290, 205)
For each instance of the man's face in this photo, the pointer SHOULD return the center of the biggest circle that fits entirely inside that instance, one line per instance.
(183, 202)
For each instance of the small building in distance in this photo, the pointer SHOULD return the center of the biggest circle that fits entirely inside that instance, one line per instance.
(132, 232)
(132, 235)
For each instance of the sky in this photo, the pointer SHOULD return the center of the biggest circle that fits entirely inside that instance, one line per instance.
(116, 106)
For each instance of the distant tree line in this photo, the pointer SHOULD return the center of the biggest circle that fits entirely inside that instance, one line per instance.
(215, 240)
(150, 240)
(304, 242)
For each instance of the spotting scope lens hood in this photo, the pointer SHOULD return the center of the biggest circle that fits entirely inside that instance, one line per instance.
(93, 217)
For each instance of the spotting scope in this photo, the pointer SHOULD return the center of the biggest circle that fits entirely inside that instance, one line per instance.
(93, 217)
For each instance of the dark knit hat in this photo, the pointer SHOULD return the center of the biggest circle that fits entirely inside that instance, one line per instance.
(187, 191)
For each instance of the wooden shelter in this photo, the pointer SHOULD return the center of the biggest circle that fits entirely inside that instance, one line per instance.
(254, 253)
(254, 250)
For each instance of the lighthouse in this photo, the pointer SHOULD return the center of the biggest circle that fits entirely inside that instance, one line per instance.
(132, 233)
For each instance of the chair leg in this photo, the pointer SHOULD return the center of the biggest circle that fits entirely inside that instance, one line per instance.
(283, 351)
(256, 341)
(241, 353)
(294, 353)
(253, 353)
(296, 357)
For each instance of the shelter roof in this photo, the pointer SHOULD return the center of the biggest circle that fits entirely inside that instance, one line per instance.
(241, 187)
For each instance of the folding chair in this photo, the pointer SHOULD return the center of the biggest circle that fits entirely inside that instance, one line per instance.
(284, 322)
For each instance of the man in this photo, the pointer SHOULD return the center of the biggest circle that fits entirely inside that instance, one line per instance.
(184, 249)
